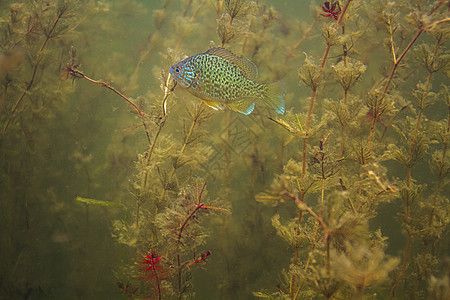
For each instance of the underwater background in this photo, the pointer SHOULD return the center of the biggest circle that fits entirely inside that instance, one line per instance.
(115, 183)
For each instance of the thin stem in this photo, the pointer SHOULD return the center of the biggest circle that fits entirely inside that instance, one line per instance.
(408, 178)
(150, 152)
(198, 207)
(397, 62)
(40, 53)
(388, 83)
(161, 123)
(328, 259)
(440, 175)
(404, 264)
(386, 87)
(391, 41)
(314, 92)
(300, 212)
(158, 285)
(198, 112)
(179, 275)
(435, 197)
(359, 293)
(313, 245)
(303, 206)
(180, 232)
(344, 123)
(305, 141)
(77, 73)
(424, 94)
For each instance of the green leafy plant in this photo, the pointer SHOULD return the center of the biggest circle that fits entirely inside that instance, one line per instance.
(345, 196)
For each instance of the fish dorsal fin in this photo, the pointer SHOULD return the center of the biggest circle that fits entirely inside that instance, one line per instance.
(247, 67)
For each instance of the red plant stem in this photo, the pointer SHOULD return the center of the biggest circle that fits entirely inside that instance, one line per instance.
(202, 258)
(386, 87)
(78, 73)
(151, 261)
(314, 92)
(303, 206)
(199, 206)
(158, 285)
(188, 218)
(305, 144)
(183, 225)
(342, 13)
(199, 195)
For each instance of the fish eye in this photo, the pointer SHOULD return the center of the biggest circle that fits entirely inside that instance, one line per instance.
(177, 69)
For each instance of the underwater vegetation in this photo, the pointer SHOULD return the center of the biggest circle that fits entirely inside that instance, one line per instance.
(118, 183)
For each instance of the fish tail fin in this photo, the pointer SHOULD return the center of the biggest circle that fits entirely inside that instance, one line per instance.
(274, 94)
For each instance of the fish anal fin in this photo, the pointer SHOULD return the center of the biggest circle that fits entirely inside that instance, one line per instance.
(213, 104)
(244, 106)
(247, 67)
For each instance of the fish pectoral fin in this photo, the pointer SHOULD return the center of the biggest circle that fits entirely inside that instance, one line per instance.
(213, 104)
(244, 106)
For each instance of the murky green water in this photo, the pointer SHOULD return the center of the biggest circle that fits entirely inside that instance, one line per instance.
(116, 183)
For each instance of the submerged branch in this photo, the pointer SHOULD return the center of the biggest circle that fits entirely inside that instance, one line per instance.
(302, 205)
(78, 74)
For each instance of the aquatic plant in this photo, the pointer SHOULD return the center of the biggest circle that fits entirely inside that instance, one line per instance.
(153, 271)
(33, 34)
(360, 200)
(351, 183)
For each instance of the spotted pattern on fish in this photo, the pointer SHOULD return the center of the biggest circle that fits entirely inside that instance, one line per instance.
(222, 79)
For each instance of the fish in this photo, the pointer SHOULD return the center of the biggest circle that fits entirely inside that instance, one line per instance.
(222, 79)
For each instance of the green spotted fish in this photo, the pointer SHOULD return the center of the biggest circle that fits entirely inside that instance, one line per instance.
(222, 79)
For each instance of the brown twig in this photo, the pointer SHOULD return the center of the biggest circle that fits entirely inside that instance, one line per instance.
(302, 205)
(198, 206)
(78, 74)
